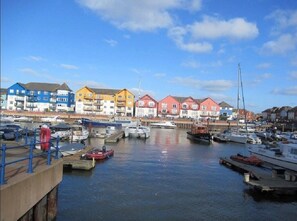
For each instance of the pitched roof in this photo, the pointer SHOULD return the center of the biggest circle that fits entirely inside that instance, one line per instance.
(41, 86)
(224, 104)
(64, 86)
(179, 99)
(105, 91)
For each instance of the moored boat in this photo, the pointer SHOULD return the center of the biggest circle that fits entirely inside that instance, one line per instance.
(251, 160)
(280, 154)
(199, 133)
(98, 154)
(163, 124)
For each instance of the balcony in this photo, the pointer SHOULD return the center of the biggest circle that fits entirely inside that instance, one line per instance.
(87, 97)
(19, 98)
(88, 103)
(19, 105)
(31, 106)
(99, 97)
(121, 99)
(52, 100)
(121, 104)
(98, 103)
(87, 108)
(31, 99)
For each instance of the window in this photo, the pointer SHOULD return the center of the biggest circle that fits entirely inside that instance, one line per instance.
(11, 91)
(45, 93)
(195, 106)
(140, 103)
(164, 105)
(203, 107)
(214, 108)
(174, 106)
(151, 104)
(185, 106)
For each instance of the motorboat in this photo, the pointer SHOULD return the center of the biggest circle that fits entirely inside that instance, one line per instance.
(163, 124)
(55, 119)
(220, 138)
(71, 148)
(98, 154)
(280, 154)
(78, 133)
(23, 119)
(65, 149)
(137, 132)
(103, 123)
(61, 130)
(199, 133)
(235, 136)
(6, 119)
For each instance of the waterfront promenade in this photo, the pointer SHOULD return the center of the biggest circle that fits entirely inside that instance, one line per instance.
(29, 192)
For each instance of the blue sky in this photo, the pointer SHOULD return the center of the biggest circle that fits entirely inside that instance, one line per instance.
(169, 47)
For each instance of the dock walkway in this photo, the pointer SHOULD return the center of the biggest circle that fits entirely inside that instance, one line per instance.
(266, 179)
(76, 162)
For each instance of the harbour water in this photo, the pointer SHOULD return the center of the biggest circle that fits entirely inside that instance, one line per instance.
(166, 177)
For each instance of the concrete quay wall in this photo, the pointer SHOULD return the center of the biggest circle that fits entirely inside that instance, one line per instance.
(26, 191)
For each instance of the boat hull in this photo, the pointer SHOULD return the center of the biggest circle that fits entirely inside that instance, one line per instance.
(200, 138)
(99, 154)
(278, 160)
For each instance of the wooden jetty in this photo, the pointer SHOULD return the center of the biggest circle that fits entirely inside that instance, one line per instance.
(115, 137)
(267, 178)
(76, 162)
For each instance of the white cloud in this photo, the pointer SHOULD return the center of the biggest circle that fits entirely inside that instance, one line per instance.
(34, 58)
(284, 19)
(69, 66)
(111, 42)
(178, 35)
(211, 85)
(193, 38)
(263, 65)
(140, 15)
(283, 44)
(213, 28)
(195, 64)
(30, 71)
(291, 91)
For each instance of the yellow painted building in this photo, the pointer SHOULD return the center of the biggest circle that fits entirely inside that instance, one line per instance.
(104, 101)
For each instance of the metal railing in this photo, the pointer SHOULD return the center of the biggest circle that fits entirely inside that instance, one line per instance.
(30, 156)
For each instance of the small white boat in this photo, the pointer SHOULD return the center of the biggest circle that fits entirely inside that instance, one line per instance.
(63, 131)
(234, 136)
(6, 119)
(23, 119)
(137, 132)
(55, 119)
(163, 124)
(78, 133)
(281, 154)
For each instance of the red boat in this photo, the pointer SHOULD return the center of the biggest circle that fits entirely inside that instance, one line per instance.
(99, 154)
(251, 160)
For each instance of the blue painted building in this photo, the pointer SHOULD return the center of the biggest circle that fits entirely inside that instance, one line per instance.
(40, 97)
(226, 110)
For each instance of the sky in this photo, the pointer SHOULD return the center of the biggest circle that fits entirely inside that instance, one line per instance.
(157, 47)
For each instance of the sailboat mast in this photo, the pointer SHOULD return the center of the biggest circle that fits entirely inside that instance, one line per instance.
(238, 94)
(243, 102)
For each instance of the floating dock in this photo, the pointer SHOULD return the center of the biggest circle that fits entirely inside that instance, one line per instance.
(114, 138)
(267, 178)
(77, 163)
